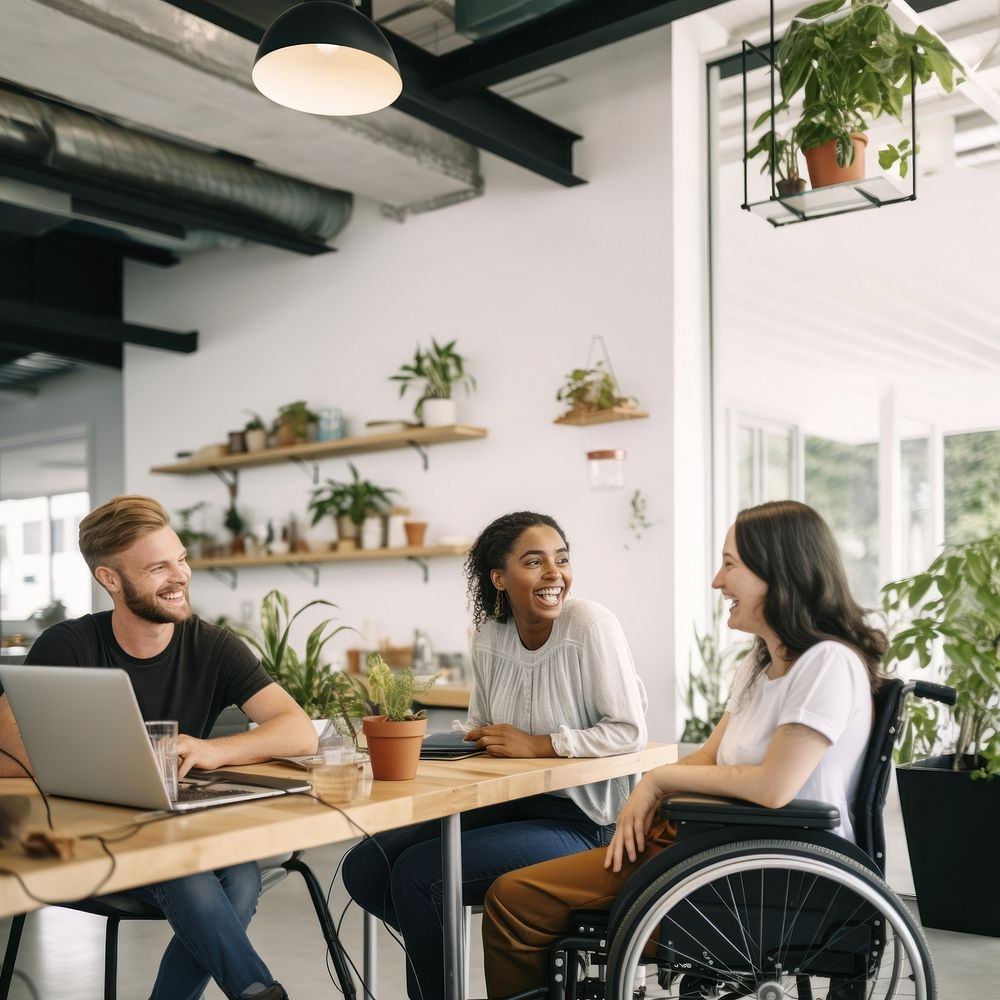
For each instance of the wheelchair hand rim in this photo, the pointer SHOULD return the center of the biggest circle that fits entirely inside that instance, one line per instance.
(624, 977)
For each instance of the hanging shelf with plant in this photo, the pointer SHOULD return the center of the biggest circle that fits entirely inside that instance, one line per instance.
(841, 66)
(593, 395)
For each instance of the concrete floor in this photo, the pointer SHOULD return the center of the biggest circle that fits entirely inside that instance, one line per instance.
(62, 951)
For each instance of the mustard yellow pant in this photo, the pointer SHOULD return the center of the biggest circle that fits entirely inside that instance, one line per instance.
(527, 910)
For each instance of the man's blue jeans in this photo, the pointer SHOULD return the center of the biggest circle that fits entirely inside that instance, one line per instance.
(209, 914)
(397, 875)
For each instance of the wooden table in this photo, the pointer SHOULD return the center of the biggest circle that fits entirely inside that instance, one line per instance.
(212, 838)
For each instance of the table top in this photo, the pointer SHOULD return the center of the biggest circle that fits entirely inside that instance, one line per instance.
(210, 838)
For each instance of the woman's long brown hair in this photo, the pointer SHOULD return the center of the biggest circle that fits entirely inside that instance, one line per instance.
(792, 549)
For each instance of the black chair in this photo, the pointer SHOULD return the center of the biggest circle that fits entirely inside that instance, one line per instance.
(762, 903)
(117, 907)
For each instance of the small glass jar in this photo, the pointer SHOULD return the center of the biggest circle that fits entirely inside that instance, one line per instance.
(337, 777)
(331, 424)
(607, 469)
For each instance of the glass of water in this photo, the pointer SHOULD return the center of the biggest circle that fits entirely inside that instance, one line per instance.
(163, 738)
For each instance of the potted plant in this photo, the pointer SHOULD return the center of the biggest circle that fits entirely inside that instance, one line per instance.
(349, 503)
(192, 540)
(783, 153)
(295, 424)
(324, 694)
(236, 526)
(954, 611)
(255, 433)
(852, 64)
(590, 390)
(433, 373)
(708, 687)
(395, 734)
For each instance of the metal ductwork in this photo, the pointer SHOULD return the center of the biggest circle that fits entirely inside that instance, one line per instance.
(66, 142)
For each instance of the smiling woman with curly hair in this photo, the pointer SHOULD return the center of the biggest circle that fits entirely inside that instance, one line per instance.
(553, 677)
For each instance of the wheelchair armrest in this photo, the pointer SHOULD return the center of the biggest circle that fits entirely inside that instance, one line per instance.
(801, 813)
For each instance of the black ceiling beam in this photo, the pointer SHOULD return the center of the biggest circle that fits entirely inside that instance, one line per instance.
(561, 34)
(44, 320)
(482, 119)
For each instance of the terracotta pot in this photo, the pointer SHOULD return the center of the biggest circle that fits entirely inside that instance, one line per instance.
(285, 435)
(415, 531)
(394, 747)
(822, 163)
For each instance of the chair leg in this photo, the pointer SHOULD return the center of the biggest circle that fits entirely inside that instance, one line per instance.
(295, 864)
(370, 967)
(10, 955)
(111, 959)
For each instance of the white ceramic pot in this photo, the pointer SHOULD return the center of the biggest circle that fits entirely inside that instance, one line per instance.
(256, 440)
(439, 412)
(346, 528)
(372, 532)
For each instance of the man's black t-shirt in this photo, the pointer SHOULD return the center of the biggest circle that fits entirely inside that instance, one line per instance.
(203, 670)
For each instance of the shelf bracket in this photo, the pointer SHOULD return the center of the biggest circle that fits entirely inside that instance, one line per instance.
(225, 575)
(422, 452)
(231, 480)
(422, 563)
(311, 469)
(308, 571)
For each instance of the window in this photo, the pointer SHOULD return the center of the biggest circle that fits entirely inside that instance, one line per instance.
(971, 485)
(31, 538)
(767, 461)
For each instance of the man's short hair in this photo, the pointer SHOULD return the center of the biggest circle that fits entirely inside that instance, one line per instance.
(116, 525)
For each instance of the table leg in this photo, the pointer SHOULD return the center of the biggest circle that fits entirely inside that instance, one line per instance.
(454, 937)
(370, 990)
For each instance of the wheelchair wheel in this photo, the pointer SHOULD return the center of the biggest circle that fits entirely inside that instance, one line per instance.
(770, 920)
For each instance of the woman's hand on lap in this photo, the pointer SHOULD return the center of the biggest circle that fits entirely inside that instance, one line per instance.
(633, 824)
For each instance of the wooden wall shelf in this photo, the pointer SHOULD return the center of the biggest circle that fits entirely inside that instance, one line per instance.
(228, 567)
(414, 437)
(584, 418)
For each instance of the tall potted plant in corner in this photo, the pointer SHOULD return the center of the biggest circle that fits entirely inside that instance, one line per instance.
(323, 693)
(951, 801)
(434, 373)
(394, 736)
(852, 64)
(349, 503)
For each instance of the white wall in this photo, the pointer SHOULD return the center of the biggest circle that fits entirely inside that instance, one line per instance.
(522, 277)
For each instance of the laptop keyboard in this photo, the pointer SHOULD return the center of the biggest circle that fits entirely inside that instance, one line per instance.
(195, 793)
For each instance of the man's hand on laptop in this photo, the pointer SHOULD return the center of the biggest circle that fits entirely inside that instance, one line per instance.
(203, 754)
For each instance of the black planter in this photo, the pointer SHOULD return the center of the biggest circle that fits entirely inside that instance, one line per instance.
(952, 825)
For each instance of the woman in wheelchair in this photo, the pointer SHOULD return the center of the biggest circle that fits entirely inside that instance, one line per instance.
(553, 676)
(797, 725)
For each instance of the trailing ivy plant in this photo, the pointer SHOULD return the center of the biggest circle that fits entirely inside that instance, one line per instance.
(955, 605)
(853, 64)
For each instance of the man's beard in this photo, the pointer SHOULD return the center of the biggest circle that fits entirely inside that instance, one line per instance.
(146, 606)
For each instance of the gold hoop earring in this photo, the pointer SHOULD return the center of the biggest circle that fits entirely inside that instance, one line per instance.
(498, 606)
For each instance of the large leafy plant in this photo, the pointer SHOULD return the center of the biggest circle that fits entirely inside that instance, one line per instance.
(354, 499)
(852, 64)
(322, 692)
(433, 373)
(955, 604)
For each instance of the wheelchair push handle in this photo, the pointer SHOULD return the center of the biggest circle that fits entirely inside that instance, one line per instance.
(935, 692)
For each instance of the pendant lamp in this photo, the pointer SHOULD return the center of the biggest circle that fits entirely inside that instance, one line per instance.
(326, 58)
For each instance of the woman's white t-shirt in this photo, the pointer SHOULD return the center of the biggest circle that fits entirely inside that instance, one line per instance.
(826, 689)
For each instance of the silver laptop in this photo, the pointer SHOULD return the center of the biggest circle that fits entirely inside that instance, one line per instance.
(86, 739)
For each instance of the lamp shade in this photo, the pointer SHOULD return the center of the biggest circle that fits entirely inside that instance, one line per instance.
(326, 58)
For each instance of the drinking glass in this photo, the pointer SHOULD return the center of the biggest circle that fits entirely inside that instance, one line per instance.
(163, 737)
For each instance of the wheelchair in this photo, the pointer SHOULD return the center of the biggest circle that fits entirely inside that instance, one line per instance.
(760, 903)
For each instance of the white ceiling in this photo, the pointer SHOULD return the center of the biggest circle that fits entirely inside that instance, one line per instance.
(43, 469)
